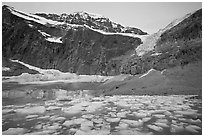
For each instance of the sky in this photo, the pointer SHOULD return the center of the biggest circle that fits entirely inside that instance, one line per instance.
(147, 16)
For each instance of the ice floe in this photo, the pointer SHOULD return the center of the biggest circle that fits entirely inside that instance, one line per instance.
(132, 123)
(192, 128)
(52, 108)
(31, 116)
(114, 120)
(155, 128)
(176, 128)
(15, 131)
(31, 110)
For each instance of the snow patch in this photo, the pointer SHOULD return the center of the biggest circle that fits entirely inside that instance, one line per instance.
(54, 39)
(151, 70)
(123, 34)
(44, 33)
(156, 54)
(5, 69)
(49, 38)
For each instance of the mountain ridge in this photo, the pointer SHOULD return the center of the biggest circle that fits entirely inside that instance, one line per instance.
(79, 48)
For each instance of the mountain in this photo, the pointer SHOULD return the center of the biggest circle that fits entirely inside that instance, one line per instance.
(92, 20)
(85, 43)
(69, 47)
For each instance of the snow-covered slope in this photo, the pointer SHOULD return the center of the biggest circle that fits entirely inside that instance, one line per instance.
(32, 17)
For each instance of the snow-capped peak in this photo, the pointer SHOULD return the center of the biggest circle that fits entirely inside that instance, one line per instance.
(85, 15)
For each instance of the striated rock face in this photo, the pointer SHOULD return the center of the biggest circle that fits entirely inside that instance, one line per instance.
(67, 47)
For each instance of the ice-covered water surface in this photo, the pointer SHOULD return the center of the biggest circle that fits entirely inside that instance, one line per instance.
(106, 115)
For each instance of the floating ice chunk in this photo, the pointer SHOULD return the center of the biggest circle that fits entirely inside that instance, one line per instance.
(58, 119)
(31, 116)
(123, 125)
(44, 117)
(178, 116)
(112, 114)
(44, 132)
(155, 128)
(122, 103)
(197, 121)
(39, 126)
(94, 106)
(132, 123)
(159, 116)
(161, 124)
(189, 113)
(140, 115)
(122, 114)
(146, 119)
(77, 108)
(93, 132)
(176, 128)
(133, 132)
(162, 121)
(15, 131)
(6, 111)
(80, 132)
(54, 127)
(167, 113)
(86, 125)
(192, 128)
(73, 130)
(115, 120)
(98, 121)
(32, 110)
(98, 99)
(52, 108)
(157, 111)
(88, 116)
(68, 123)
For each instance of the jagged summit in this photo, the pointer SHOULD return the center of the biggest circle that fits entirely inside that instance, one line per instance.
(85, 14)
